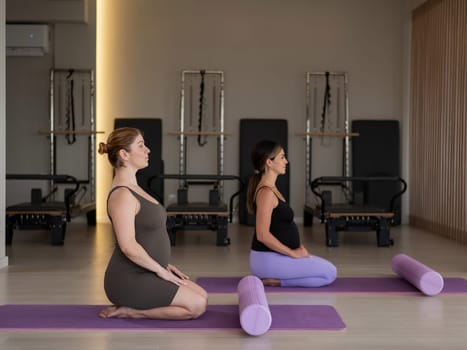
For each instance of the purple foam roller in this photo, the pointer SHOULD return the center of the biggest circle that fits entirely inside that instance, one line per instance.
(428, 281)
(255, 316)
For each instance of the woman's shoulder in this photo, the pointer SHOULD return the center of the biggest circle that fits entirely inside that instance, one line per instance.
(265, 193)
(264, 190)
(269, 192)
(121, 201)
(121, 192)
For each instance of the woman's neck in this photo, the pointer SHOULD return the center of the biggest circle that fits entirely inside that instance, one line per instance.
(269, 179)
(125, 176)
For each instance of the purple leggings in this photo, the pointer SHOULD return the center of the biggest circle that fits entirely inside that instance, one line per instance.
(303, 272)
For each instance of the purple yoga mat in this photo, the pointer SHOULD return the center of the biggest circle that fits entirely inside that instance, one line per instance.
(340, 285)
(80, 317)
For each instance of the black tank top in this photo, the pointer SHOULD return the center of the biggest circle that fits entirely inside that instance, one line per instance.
(282, 227)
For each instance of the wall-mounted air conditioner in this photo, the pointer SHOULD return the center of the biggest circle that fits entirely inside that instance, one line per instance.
(27, 39)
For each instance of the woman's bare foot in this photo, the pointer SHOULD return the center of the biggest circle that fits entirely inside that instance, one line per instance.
(271, 282)
(115, 311)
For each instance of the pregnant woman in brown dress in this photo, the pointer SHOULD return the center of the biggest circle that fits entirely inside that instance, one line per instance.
(139, 280)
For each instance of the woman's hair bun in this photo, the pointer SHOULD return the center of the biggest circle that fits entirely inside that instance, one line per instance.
(102, 148)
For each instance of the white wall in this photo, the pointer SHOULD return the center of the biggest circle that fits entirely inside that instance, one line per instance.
(47, 11)
(264, 47)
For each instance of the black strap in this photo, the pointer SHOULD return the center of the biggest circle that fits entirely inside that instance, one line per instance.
(70, 109)
(201, 108)
(327, 101)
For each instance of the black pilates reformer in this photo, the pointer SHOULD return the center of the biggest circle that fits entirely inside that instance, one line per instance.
(356, 216)
(213, 215)
(40, 213)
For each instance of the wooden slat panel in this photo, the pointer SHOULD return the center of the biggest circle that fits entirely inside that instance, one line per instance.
(438, 118)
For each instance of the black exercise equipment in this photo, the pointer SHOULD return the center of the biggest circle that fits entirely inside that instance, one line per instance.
(211, 215)
(40, 213)
(152, 133)
(357, 216)
(376, 152)
(251, 132)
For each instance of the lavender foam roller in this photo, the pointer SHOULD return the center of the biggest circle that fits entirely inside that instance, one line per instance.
(255, 316)
(428, 281)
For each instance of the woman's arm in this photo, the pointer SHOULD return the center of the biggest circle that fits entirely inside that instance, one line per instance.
(123, 207)
(266, 201)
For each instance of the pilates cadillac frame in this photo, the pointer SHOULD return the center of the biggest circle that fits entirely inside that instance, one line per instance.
(319, 125)
(85, 104)
(209, 102)
(48, 212)
(217, 120)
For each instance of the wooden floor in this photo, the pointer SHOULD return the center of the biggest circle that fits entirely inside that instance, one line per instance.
(42, 274)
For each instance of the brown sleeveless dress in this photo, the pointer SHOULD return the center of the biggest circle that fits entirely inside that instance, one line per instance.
(128, 284)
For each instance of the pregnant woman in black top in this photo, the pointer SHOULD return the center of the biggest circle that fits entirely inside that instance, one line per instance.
(277, 256)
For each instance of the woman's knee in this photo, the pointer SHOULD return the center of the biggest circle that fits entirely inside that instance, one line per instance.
(203, 293)
(332, 273)
(195, 303)
(198, 306)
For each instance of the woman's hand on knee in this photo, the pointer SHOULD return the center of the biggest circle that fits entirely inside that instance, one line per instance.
(171, 277)
(300, 252)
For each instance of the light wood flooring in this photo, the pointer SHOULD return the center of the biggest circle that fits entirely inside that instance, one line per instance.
(42, 274)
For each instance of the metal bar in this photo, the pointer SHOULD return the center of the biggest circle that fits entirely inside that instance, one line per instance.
(182, 159)
(346, 128)
(221, 138)
(308, 140)
(52, 128)
(198, 71)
